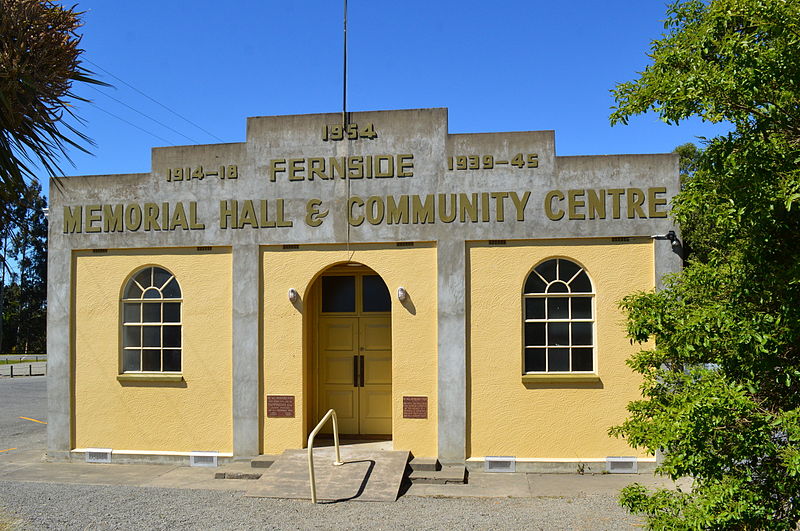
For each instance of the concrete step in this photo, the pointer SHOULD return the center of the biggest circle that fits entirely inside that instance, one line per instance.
(263, 461)
(448, 475)
(366, 475)
(428, 464)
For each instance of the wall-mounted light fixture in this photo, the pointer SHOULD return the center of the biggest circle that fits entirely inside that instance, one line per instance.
(402, 294)
(671, 236)
(293, 295)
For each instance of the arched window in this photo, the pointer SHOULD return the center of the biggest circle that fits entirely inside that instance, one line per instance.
(559, 318)
(151, 322)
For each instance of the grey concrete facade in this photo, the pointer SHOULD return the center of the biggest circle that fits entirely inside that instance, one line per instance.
(492, 199)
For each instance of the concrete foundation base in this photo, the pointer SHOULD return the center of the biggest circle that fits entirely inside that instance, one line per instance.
(131, 459)
(560, 467)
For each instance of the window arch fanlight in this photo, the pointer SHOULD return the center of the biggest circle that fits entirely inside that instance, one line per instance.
(151, 322)
(559, 318)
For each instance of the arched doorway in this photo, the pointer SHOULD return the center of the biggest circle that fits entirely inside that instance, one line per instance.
(353, 354)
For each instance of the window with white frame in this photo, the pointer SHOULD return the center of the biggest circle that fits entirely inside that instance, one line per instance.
(559, 318)
(151, 322)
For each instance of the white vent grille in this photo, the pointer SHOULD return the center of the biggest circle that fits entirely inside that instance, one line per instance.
(500, 463)
(622, 465)
(203, 459)
(98, 455)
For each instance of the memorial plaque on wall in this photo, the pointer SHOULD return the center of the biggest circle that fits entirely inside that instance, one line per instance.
(415, 407)
(280, 406)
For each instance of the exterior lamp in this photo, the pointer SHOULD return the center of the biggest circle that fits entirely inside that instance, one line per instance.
(402, 294)
(293, 295)
(671, 236)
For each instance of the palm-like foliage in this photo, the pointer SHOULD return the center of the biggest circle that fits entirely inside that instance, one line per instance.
(39, 61)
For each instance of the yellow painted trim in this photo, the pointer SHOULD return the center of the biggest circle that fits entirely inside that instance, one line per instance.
(561, 377)
(149, 377)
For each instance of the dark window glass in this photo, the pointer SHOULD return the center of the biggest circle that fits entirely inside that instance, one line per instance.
(557, 334)
(557, 308)
(557, 359)
(567, 270)
(581, 333)
(144, 277)
(132, 312)
(172, 290)
(151, 293)
(151, 312)
(131, 336)
(151, 360)
(160, 277)
(557, 287)
(130, 360)
(151, 336)
(559, 328)
(339, 294)
(582, 359)
(534, 334)
(133, 291)
(172, 312)
(534, 308)
(172, 360)
(581, 308)
(547, 270)
(534, 359)
(581, 284)
(534, 284)
(375, 294)
(172, 336)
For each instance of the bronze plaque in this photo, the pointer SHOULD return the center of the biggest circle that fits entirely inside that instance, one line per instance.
(415, 407)
(280, 406)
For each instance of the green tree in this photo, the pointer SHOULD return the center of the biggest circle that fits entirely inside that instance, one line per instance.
(721, 391)
(39, 62)
(23, 278)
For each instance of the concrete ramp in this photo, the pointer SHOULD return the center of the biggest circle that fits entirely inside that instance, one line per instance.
(366, 475)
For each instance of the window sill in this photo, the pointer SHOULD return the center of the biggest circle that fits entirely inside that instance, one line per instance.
(149, 377)
(561, 377)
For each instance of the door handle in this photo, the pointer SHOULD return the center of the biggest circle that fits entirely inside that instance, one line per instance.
(361, 370)
(355, 371)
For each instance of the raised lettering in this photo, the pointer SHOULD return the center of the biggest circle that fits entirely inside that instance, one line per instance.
(553, 214)
(397, 212)
(354, 220)
(423, 212)
(520, 203)
(635, 202)
(654, 202)
(573, 204)
(73, 219)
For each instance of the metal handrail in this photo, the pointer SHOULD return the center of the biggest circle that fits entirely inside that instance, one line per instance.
(338, 462)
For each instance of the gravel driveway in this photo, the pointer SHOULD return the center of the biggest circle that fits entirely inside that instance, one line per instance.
(52, 506)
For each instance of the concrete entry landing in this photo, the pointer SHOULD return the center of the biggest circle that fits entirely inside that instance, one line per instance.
(366, 475)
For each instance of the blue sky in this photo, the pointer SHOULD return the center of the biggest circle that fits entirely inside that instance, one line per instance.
(497, 66)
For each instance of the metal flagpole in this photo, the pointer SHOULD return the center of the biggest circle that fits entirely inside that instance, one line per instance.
(344, 76)
(344, 115)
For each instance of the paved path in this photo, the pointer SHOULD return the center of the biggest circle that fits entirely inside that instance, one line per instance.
(23, 397)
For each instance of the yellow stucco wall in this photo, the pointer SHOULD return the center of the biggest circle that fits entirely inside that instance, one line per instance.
(567, 420)
(153, 416)
(287, 349)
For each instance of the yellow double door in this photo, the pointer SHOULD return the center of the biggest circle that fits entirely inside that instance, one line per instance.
(355, 373)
